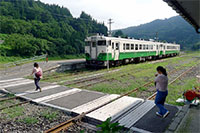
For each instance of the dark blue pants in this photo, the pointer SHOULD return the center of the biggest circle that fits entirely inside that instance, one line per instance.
(37, 83)
(160, 100)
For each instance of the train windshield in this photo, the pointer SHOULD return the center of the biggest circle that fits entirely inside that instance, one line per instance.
(87, 43)
(102, 43)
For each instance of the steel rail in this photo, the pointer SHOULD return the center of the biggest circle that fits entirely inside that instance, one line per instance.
(14, 105)
(1, 100)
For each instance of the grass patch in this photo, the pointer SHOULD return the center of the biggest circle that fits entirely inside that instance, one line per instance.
(13, 112)
(28, 120)
(177, 89)
(5, 59)
(49, 115)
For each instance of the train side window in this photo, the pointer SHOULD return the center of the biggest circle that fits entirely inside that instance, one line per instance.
(109, 42)
(157, 47)
(93, 44)
(124, 47)
(136, 47)
(117, 46)
(113, 45)
(147, 47)
(151, 46)
(140, 46)
(132, 46)
(127, 46)
(144, 47)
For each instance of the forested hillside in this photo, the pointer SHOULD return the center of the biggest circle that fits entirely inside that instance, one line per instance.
(31, 28)
(174, 29)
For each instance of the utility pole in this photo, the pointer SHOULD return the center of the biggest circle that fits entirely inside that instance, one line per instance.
(109, 34)
(157, 36)
(110, 22)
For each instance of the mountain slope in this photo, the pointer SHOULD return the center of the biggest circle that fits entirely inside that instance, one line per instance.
(34, 28)
(174, 29)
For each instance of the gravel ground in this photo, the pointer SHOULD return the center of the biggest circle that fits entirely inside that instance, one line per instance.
(31, 118)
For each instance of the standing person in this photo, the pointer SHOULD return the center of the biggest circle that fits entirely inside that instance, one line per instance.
(37, 71)
(46, 58)
(161, 83)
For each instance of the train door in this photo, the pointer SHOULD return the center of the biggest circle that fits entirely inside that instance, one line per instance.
(157, 50)
(117, 44)
(161, 49)
(164, 47)
(94, 50)
(113, 50)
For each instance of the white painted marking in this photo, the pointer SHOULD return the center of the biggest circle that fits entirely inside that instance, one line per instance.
(137, 114)
(114, 108)
(93, 104)
(15, 82)
(33, 91)
(138, 130)
(23, 83)
(10, 80)
(57, 95)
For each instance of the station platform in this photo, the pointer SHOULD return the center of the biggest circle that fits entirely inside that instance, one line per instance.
(133, 113)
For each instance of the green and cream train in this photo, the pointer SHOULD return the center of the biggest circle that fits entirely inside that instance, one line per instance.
(101, 50)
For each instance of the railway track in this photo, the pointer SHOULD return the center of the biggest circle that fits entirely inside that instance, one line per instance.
(13, 105)
(99, 80)
(65, 125)
(152, 97)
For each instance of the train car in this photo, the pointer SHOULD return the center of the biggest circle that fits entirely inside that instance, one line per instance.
(101, 50)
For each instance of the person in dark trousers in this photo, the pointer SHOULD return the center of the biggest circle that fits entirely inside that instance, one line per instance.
(161, 83)
(37, 71)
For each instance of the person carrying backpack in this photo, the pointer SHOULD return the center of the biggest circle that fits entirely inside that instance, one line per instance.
(37, 71)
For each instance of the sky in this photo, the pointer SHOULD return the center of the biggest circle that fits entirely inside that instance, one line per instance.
(125, 13)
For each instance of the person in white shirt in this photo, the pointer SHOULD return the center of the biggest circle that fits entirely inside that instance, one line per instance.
(37, 73)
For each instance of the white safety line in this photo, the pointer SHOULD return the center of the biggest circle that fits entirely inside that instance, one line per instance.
(138, 130)
(93, 104)
(11, 85)
(10, 80)
(114, 108)
(15, 82)
(33, 91)
(137, 114)
(57, 95)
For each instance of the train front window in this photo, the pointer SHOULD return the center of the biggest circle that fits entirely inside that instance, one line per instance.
(87, 43)
(93, 44)
(102, 43)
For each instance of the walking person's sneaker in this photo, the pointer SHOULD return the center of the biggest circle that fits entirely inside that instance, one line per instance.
(40, 90)
(158, 114)
(166, 114)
